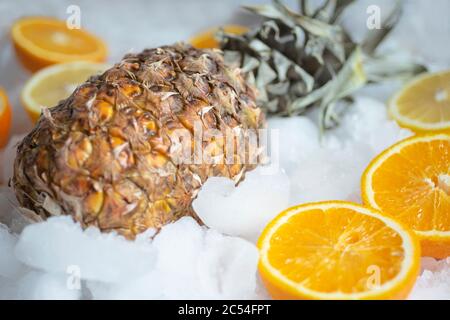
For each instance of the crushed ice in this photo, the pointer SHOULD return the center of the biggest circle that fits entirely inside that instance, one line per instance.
(57, 259)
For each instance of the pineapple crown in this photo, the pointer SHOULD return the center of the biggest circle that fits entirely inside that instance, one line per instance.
(305, 59)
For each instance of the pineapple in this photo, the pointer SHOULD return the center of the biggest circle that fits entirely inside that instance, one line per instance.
(106, 156)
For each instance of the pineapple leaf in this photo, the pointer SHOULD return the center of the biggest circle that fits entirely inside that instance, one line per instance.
(300, 104)
(305, 8)
(340, 8)
(388, 67)
(250, 63)
(263, 50)
(265, 75)
(315, 47)
(269, 26)
(330, 36)
(311, 25)
(270, 12)
(325, 12)
(300, 38)
(350, 78)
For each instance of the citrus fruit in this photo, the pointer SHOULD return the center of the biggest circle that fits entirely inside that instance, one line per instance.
(411, 182)
(207, 40)
(424, 104)
(337, 250)
(43, 41)
(5, 118)
(52, 84)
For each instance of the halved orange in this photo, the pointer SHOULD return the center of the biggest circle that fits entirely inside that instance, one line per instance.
(337, 250)
(207, 39)
(411, 182)
(43, 41)
(5, 118)
(423, 105)
(52, 84)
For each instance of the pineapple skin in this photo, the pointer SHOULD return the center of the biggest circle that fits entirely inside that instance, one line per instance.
(105, 156)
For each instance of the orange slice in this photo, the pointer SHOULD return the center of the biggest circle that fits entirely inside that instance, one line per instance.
(52, 84)
(5, 118)
(337, 250)
(411, 182)
(43, 41)
(207, 39)
(424, 104)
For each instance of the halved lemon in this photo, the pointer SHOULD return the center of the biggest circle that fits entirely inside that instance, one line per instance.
(423, 105)
(207, 39)
(411, 182)
(337, 250)
(5, 118)
(43, 41)
(52, 84)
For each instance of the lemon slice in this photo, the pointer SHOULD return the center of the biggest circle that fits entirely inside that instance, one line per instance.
(423, 105)
(52, 84)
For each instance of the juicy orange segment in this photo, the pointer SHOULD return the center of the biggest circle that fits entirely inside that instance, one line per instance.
(52, 84)
(337, 250)
(424, 104)
(5, 118)
(411, 181)
(207, 40)
(43, 41)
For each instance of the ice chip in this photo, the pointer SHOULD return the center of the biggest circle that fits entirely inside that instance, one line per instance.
(232, 268)
(329, 174)
(297, 138)
(245, 209)
(45, 286)
(10, 267)
(434, 282)
(59, 244)
(193, 262)
(367, 122)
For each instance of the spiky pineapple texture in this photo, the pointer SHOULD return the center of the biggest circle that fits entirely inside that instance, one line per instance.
(105, 154)
(302, 59)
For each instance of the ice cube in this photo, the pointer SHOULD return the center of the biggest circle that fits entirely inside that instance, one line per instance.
(10, 267)
(46, 286)
(367, 122)
(329, 174)
(243, 210)
(146, 287)
(297, 138)
(193, 262)
(434, 282)
(228, 266)
(59, 245)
